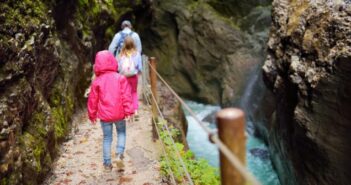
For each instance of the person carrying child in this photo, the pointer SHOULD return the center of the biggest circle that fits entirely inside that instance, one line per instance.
(110, 101)
(130, 63)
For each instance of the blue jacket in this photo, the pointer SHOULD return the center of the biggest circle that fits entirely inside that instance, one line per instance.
(117, 36)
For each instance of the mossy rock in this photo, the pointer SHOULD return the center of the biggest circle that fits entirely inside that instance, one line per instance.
(36, 158)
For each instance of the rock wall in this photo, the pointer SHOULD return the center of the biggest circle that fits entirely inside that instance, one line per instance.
(202, 53)
(172, 110)
(237, 8)
(46, 51)
(308, 68)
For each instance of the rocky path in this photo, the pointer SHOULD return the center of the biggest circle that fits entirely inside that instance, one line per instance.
(81, 157)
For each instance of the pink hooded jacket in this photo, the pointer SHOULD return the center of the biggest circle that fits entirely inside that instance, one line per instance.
(110, 97)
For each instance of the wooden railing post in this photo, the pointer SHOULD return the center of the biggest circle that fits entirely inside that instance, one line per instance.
(231, 131)
(153, 83)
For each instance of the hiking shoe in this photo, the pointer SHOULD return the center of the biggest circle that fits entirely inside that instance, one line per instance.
(119, 160)
(119, 157)
(86, 93)
(107, 168)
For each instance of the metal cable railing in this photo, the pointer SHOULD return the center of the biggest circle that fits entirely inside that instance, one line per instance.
(232, 158)
(204, 127)
(163, 146)
(173, 143)
(146, 92)
(184, 169)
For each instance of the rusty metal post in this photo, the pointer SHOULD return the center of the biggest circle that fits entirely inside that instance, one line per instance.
(231, 131)
(153, 83)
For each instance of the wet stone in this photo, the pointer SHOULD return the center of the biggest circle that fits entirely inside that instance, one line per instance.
(260, 153)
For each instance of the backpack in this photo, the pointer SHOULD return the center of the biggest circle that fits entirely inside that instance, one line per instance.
(127, 66)
(120, 42)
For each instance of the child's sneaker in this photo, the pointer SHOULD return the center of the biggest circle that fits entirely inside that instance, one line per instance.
(86, 93)
(119, 160)
(107, 168)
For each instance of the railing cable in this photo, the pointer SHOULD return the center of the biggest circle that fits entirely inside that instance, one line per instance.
(163, 146)
(213, 136)
(207, 130)
(146, 92)
(173, 143)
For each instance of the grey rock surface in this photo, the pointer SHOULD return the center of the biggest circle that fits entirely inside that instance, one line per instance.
(308, 68)
(204, 55)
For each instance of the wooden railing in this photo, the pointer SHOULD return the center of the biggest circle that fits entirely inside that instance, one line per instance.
(230, 138)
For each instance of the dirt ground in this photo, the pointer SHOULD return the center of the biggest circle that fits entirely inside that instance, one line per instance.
(80, 161)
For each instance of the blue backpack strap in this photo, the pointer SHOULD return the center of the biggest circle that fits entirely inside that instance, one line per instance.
(119, 43)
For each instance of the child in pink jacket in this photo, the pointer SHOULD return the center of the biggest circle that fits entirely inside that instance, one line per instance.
(110, 101)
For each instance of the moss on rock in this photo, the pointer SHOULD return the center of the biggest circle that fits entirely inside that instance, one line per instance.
(44, 74)
(61, 114)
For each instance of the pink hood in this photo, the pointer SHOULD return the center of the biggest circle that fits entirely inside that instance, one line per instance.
(105, 62)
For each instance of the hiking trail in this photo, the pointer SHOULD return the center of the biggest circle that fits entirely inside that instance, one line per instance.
(80, 160)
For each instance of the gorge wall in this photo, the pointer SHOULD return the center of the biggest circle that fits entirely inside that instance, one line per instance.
(46, 51)
(205, 49)
(308, 68)
(205, 53)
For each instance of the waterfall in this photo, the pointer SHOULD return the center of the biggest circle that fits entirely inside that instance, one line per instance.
(254, 101)
(257, 154)
(196, 137)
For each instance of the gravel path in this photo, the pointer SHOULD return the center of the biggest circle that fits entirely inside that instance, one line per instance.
(80, 161)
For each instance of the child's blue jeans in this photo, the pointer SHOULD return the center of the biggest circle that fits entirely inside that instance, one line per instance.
(107, 141)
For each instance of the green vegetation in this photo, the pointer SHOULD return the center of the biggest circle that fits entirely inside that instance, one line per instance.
(12, 179)
(20, 17)
(34, 143)
(205, 7)
(61, 123)
(38, 121)
(200, 171)
(34, 149)
(93, 14)
(62, 111)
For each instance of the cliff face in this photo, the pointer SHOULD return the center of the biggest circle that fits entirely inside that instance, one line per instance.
(237, 8)
(172, 111)
(308, 68)
(46, 50)
(205, 55)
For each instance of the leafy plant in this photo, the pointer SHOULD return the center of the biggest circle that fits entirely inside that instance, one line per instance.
(200, 171)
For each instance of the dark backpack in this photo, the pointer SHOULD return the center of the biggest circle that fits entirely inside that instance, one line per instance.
(120, 42)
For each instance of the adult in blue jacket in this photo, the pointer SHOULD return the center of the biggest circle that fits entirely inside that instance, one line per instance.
(119, 37)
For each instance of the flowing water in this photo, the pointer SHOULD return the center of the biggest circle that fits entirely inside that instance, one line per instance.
(258, 159)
